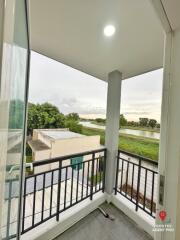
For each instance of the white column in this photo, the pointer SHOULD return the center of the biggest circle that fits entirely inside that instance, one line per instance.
(169, 162)
(112, 127)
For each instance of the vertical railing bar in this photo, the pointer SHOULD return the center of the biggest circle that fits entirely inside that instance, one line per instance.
(77, 185)
(127, 173)
(100, 176)
(43, 194)
(104, 170)
(24, 205)
(117, 173)
(9, 210)
(82, 189)
(122, 173)
(87, 190)
(152, 193)
(101, 179)
(59, 190)
(65, 189)
(144, 200)
(51, 196)
(92, 176)
(72, 183)
(34, 200)
(138, 184)
(132, 183)
(97, 162)
(99, 172)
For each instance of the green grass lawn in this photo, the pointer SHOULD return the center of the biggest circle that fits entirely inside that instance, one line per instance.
(146, 147)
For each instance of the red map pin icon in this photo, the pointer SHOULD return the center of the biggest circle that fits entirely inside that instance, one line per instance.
(162, 215)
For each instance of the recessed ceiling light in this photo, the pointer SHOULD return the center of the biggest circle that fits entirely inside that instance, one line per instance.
(109, 30)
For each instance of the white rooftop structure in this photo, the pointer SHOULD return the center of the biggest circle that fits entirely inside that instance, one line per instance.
(60, 134)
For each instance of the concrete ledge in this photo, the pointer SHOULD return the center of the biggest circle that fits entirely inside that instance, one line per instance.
(51, 229)
(142, 219)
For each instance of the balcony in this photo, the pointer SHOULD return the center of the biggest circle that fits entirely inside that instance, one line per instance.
(73, 190)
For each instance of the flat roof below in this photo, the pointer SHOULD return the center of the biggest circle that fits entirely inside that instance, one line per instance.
(61, 134)
(38, 145)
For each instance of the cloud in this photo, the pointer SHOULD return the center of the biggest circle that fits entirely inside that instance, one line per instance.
(82, 106)
(73, 91)
(136, 113)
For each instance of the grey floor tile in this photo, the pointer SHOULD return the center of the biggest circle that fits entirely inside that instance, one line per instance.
(96, 227)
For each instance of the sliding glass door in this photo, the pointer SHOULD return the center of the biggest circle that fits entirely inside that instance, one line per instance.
(13, 101)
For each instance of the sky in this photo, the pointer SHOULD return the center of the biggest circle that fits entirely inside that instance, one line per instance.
(74, 91)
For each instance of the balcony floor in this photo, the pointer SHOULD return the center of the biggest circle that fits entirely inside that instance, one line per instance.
(96, 227)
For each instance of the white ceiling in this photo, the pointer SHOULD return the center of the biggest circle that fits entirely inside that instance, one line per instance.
(71, 32)
(172, 9)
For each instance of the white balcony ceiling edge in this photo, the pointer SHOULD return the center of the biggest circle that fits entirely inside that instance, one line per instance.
(71, 32)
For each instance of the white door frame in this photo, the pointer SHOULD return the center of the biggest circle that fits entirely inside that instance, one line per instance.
(22, 14)
(1, 47)
(169, 154)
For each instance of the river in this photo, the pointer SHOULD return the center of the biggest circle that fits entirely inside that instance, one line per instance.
(140, 133)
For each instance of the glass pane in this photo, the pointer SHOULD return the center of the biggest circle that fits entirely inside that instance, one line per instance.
(12, 109)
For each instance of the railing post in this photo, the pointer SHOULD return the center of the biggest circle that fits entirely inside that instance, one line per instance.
(92, 176)
(104, 170)
(152, 193)
(24, 204)
(59, 191)
(117, 172)
(138, 184)
(9, 210)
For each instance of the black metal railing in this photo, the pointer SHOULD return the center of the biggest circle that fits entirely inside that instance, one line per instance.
(136, 180)
(70, 180)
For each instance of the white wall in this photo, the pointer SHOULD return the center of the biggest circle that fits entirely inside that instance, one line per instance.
(75, 145)
(2, 133)
(64, 147)
(169, 164)
(1, 29)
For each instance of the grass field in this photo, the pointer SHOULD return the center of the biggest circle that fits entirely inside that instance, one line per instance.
(146, 147)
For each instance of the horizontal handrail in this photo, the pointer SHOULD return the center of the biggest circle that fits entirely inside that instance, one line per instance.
(148, 160)
(62, 158)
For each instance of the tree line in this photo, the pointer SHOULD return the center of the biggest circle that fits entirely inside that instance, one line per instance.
(46, 115)
(143, 122)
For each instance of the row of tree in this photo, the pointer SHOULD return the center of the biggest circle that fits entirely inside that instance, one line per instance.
(143, 122)
(46, 115)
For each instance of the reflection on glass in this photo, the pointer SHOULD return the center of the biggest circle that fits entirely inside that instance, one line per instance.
(12, 107)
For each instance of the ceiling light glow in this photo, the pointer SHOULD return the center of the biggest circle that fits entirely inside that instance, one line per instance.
(109, 30)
